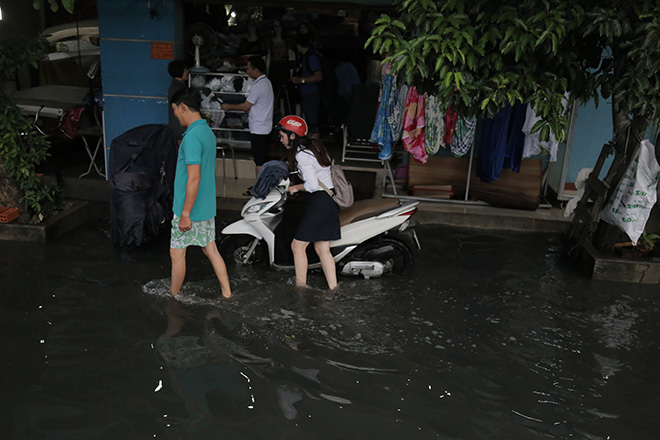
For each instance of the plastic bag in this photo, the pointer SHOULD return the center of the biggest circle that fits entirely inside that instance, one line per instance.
(630, 207)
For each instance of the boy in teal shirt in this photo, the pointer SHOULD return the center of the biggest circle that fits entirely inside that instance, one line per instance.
(194, 192)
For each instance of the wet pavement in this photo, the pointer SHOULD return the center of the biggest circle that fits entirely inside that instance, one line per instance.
(492, 337)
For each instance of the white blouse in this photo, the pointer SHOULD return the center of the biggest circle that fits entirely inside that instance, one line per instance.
(311, 171)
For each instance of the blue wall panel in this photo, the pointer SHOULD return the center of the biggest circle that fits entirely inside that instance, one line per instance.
(135, 85)
(593, 129)
(130, 19)
(131, 71)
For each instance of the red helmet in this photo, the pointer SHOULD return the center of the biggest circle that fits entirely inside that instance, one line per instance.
(293, 124)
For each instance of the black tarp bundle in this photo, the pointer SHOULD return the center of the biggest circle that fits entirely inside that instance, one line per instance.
(141, 170)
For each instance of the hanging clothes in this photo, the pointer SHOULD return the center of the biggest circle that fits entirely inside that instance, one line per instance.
(450, 123)
(532, 144)
(515, 138)
(493, 145)
(413, 126)
(501, 143)
(382, 133)
(463, 137)
(435, 125)
(396, 112)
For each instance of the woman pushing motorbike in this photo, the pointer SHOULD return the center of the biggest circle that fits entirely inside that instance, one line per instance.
(320, 223)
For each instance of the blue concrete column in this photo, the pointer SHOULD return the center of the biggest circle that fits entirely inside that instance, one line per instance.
(136, 47)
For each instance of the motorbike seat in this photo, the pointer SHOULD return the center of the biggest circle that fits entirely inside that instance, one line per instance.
(362, 209)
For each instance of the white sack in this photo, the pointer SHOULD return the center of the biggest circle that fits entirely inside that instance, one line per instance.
(630, 207)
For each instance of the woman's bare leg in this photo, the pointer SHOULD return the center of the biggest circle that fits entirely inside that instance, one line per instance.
(300, 261)
(322, 249)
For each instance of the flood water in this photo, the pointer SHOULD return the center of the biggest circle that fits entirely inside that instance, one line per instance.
(492, 337)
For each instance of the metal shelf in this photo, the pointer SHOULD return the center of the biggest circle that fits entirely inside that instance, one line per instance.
(228, 142)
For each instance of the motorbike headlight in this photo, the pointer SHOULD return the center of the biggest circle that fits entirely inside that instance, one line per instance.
(254, 209)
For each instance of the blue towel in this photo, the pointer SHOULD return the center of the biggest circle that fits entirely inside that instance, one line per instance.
(270, 175)
(501, 142)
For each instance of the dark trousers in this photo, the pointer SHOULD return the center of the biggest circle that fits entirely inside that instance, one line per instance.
(260, 144)
(311, 104)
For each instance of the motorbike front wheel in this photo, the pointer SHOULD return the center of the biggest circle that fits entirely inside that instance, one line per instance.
(233, 249)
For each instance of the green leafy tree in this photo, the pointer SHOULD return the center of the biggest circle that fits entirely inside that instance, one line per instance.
(478, 56)
(22, 146)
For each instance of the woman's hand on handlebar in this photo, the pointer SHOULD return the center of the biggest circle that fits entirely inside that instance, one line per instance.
(296, 188)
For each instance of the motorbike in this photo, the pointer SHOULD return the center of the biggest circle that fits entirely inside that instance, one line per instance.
(377, 235)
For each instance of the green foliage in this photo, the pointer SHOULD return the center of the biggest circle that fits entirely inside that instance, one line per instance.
(647, 241)
(16, 55)
(22, 146)
(478, 56)
(55, 4)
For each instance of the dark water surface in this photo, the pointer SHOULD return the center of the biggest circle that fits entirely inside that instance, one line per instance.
(493, 337)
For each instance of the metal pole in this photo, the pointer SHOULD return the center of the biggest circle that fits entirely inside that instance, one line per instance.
(469, 173)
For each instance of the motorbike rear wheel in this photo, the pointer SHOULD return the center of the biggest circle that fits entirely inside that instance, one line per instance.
(234, 247)
(403, 261)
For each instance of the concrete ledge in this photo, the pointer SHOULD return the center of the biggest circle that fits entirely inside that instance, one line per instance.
(482, 216)
(490, 222)
(225, 167)
(600, 267)
(76, 215)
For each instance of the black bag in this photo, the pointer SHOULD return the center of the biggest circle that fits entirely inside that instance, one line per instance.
(141, 170)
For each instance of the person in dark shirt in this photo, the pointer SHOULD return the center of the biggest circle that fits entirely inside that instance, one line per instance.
(310, 74)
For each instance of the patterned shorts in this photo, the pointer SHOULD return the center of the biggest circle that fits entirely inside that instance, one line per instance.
(200, 235)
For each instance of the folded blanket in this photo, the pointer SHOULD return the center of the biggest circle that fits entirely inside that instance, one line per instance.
(270, 175)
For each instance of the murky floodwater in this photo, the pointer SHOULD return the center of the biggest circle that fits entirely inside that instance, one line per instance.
(493, 337)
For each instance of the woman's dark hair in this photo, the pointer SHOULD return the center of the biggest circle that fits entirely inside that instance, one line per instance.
(190, 96)
(314, 146)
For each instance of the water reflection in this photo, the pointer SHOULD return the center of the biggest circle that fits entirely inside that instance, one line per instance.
(212, 356)
(199, 366)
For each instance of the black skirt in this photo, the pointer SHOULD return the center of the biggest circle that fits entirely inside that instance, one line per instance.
(321, 219)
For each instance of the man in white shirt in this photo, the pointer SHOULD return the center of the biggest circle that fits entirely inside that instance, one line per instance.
(259, 106)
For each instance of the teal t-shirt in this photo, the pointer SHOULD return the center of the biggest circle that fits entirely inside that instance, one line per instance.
(198, 147)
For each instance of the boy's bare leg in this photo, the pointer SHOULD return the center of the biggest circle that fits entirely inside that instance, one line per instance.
(219, 267)
(178, 257)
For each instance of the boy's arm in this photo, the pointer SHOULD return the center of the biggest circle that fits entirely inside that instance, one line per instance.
(192, 186)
